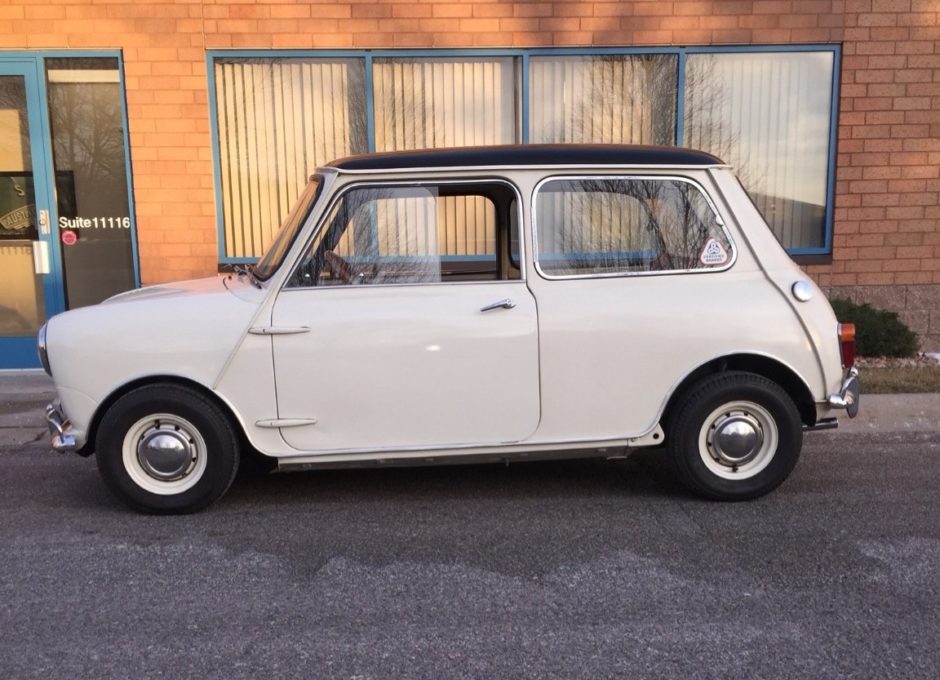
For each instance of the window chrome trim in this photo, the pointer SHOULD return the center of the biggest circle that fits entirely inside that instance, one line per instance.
(611, 275)
(334, 200)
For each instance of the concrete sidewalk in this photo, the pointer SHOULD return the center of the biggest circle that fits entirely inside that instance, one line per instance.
(24, 394)
(23, 397)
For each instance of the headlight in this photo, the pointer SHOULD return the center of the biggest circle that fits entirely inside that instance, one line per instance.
(41, 349)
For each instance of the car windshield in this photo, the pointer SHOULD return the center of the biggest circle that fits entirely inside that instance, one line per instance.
(273, 257)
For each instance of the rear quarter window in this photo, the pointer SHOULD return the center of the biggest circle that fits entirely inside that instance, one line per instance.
(608, 226)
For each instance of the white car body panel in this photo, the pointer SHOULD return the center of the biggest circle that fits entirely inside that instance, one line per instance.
(614, 384)
(186, 330)
(584, 362)
(407, 366)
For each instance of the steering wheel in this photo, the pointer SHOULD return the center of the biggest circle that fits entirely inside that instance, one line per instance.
(339, 267)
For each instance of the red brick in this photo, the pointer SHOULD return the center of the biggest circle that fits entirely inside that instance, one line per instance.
(876, 47)
(881, 172)
(651, 8)
(497, 10)
(781, 7)
(295, 11)
(536, 9)
(864, 265)
(875, 279)
(908, 265)
(903, 239)
(371, 11)
(878, 20)
(414, 11)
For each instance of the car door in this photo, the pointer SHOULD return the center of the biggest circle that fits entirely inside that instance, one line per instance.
(407, 323)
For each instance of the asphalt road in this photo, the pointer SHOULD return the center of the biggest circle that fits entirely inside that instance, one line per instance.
(582, 569)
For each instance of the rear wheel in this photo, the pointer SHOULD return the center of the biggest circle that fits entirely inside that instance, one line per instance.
(166, 449)
(734, 436)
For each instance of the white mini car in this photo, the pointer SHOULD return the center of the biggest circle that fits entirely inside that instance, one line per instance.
(493, 303)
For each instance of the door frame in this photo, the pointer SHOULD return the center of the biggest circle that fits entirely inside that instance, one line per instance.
(19, 352)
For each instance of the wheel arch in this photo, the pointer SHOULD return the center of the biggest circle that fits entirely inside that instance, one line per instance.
(167, 379)
(759, 364)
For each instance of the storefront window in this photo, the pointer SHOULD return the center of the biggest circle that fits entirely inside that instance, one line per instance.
(765, 111)
(609, 99)
(432, 103)
(278, 119)
(768, 115)
(87, 124)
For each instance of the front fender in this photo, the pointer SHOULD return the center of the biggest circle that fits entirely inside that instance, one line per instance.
(96, 350)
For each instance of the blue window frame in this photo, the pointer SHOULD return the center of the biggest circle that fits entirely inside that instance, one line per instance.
(524, 60)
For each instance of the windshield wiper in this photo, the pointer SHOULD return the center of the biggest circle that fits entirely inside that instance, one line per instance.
(249, 271)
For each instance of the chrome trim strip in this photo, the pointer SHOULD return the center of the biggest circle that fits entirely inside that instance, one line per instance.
(642, 439)
(619, 275)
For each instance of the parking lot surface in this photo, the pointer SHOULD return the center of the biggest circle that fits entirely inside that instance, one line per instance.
(580, 569)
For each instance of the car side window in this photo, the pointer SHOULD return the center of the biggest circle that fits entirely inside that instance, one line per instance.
(626, 225)
(415, 234)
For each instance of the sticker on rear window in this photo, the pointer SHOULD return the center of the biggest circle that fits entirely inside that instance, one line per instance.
(713, 253)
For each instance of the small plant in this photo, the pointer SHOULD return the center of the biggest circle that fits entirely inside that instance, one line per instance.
(878, 332)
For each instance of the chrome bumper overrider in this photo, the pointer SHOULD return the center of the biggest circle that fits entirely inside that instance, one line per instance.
(848, 396)
(63, 439)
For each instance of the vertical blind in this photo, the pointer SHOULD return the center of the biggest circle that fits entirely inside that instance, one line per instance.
(416, 226)
(614, 99)
(277, 120)
(429, 103)
(768, 115)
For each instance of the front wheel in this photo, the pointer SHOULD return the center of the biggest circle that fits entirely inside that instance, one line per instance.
(734, 436)
(166, 449)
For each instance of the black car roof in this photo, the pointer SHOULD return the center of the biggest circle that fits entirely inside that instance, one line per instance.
(527, 154)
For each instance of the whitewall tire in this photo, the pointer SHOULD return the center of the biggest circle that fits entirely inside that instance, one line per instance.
(734, 436)
(167, 448)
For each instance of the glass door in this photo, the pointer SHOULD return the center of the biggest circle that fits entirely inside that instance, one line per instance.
(28, 290)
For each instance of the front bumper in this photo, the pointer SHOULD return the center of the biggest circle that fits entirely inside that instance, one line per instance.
(63, 436)
(848, 396)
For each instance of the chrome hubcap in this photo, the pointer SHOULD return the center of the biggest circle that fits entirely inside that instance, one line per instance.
(735, 438)
(166, 453)
(738, 439)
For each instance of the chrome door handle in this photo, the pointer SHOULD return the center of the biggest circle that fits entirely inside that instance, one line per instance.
(499, 304)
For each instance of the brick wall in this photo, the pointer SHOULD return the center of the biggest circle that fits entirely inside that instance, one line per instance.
(886, 242)
(887, 212)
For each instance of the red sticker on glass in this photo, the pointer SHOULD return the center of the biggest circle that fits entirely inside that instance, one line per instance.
(69, 237)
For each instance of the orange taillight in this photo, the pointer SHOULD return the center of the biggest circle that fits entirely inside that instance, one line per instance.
(847, 343)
